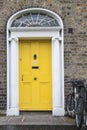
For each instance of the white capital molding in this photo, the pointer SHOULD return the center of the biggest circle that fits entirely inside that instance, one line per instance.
(13, 39)
(56, 38)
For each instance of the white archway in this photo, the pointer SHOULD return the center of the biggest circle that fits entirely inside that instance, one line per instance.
(54, 31)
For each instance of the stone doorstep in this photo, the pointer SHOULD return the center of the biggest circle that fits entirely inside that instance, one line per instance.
(37, 121)
(37, 127)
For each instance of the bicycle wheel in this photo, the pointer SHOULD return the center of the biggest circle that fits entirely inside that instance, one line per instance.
(85, 109)
(85, 114)
(79, 112)
(70, 105)
(85, 119)
(79, 120)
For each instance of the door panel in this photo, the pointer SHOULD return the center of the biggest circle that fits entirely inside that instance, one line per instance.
(35, 78)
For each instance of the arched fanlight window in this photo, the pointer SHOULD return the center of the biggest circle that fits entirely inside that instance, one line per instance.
(34, 19)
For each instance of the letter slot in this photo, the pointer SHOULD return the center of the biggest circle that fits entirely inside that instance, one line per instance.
(35, 67)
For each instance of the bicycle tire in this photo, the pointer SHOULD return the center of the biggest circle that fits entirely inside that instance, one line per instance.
(79, 120)
(85, 120)
(79, 112)
(70, 105)
(85, 114)
(85, 109)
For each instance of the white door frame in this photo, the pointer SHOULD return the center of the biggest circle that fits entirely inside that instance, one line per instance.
(53, 33)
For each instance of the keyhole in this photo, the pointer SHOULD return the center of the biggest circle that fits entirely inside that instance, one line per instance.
(35, 78)
(35, 57)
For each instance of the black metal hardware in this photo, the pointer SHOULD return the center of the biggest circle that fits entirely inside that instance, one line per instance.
(35, 67)
(35, 78)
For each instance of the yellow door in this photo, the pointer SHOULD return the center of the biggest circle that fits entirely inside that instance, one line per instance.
(35, 75)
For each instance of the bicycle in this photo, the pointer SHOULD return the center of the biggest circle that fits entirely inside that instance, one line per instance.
(76, 102)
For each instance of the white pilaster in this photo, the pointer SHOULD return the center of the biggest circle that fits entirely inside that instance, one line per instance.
(57, 88)
(13, 83)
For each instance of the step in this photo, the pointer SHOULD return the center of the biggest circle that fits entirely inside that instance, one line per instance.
(38, 127)
(37, 121)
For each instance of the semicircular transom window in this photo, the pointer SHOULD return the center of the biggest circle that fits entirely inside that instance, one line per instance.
(35, 20)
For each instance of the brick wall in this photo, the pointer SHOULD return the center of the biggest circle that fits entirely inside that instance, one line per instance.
(74, 16)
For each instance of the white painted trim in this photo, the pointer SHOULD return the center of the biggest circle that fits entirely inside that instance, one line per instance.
(12, 112)
(13, 34)
(33, 28)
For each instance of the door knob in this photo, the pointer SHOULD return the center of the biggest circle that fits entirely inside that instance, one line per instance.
(35, 78)
(22, 77)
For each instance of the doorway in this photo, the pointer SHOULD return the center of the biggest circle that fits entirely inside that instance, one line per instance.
(42, 24)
